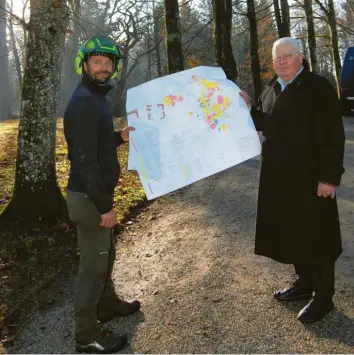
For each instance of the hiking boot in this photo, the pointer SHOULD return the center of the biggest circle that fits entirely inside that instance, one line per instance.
(315, 310)
(105, 343)
(120, 308)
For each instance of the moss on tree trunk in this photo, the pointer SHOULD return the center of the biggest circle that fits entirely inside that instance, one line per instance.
(37, 197)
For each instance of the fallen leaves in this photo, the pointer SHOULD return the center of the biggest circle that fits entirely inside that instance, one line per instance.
(29, 258)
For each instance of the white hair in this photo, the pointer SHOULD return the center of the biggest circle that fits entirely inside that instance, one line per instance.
(286, 40)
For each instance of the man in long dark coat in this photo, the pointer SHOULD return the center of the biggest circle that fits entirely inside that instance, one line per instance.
(302, 163)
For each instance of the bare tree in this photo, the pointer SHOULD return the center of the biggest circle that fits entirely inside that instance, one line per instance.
(222, 16)
(255, 66)
(173, 37)
(15, 54)
(69, 77)
(282, 17)
(346, 24)
(156, 17)
(5, 88)
(330, 17)
(311, 35)
(36, 196)
(132, 26)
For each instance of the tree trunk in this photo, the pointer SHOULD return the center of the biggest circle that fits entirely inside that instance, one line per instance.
(173, 37)
(148, 72)
(285, 11)
(157, 40)
(222, 16)
(334, 43)
(5, 87)
(16, 55)
(282, 17)
(311, 35)
(277, 17)
(255, 66)
(70, 78)
(37, 197)
(330, 15)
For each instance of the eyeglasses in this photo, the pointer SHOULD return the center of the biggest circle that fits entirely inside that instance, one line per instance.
(285, 57)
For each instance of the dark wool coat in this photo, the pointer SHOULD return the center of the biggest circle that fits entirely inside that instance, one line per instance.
(303, 145)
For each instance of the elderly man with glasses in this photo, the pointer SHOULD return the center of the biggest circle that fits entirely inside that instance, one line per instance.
(302, 163)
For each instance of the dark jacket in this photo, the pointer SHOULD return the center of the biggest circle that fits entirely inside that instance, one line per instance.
(303, 145)
(92, 142)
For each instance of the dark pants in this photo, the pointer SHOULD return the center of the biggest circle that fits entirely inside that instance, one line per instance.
(317, 278)
(95, 288)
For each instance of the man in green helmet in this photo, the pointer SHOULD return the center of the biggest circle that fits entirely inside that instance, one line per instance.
(94, 173)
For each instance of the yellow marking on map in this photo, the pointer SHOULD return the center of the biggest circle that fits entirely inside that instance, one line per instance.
(143, 168)
(184, 172)
(209, 84)
(215, 107)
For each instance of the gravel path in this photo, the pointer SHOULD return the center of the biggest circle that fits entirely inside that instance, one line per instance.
(189, 259)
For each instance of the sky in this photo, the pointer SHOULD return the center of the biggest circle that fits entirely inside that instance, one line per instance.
(18, 6)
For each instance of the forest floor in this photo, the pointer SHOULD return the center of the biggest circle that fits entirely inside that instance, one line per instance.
(189, 258)
(31, 259)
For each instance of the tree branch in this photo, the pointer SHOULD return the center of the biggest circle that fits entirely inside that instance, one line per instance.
(195, 35)
(19, 20)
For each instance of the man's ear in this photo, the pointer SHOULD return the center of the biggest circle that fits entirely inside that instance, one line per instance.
(301, 57)
(85, 66)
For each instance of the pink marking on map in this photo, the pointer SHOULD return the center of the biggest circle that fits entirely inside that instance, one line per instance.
(133, 144)
(220, 99)
(213, 126)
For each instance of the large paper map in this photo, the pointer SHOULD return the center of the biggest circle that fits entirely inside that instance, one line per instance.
(189, 125)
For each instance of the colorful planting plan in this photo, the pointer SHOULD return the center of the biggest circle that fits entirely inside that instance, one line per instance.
(189, 125)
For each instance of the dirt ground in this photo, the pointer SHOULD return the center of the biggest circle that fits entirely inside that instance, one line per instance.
(189, 258)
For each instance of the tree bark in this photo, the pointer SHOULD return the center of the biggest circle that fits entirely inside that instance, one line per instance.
(173, 37)
(5, 87)
(222, 17)
(255, 65)
(148, 72)
(334, 41)
(37, 197)
(330, 15)
(285, 11)
(311, 35)
(282, 17)
(157, 40)
(277, 17)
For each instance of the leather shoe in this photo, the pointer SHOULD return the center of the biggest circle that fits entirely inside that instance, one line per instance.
(105, 343)
(120, 308)
(293, 294)
(315, 310)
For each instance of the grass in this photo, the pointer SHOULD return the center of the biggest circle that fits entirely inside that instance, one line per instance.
(8, 148)
(128, 193)
(31, 258)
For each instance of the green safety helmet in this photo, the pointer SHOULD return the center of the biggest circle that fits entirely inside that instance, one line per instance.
(99, 45)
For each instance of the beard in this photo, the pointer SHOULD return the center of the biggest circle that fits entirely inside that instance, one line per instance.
(101, 78)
